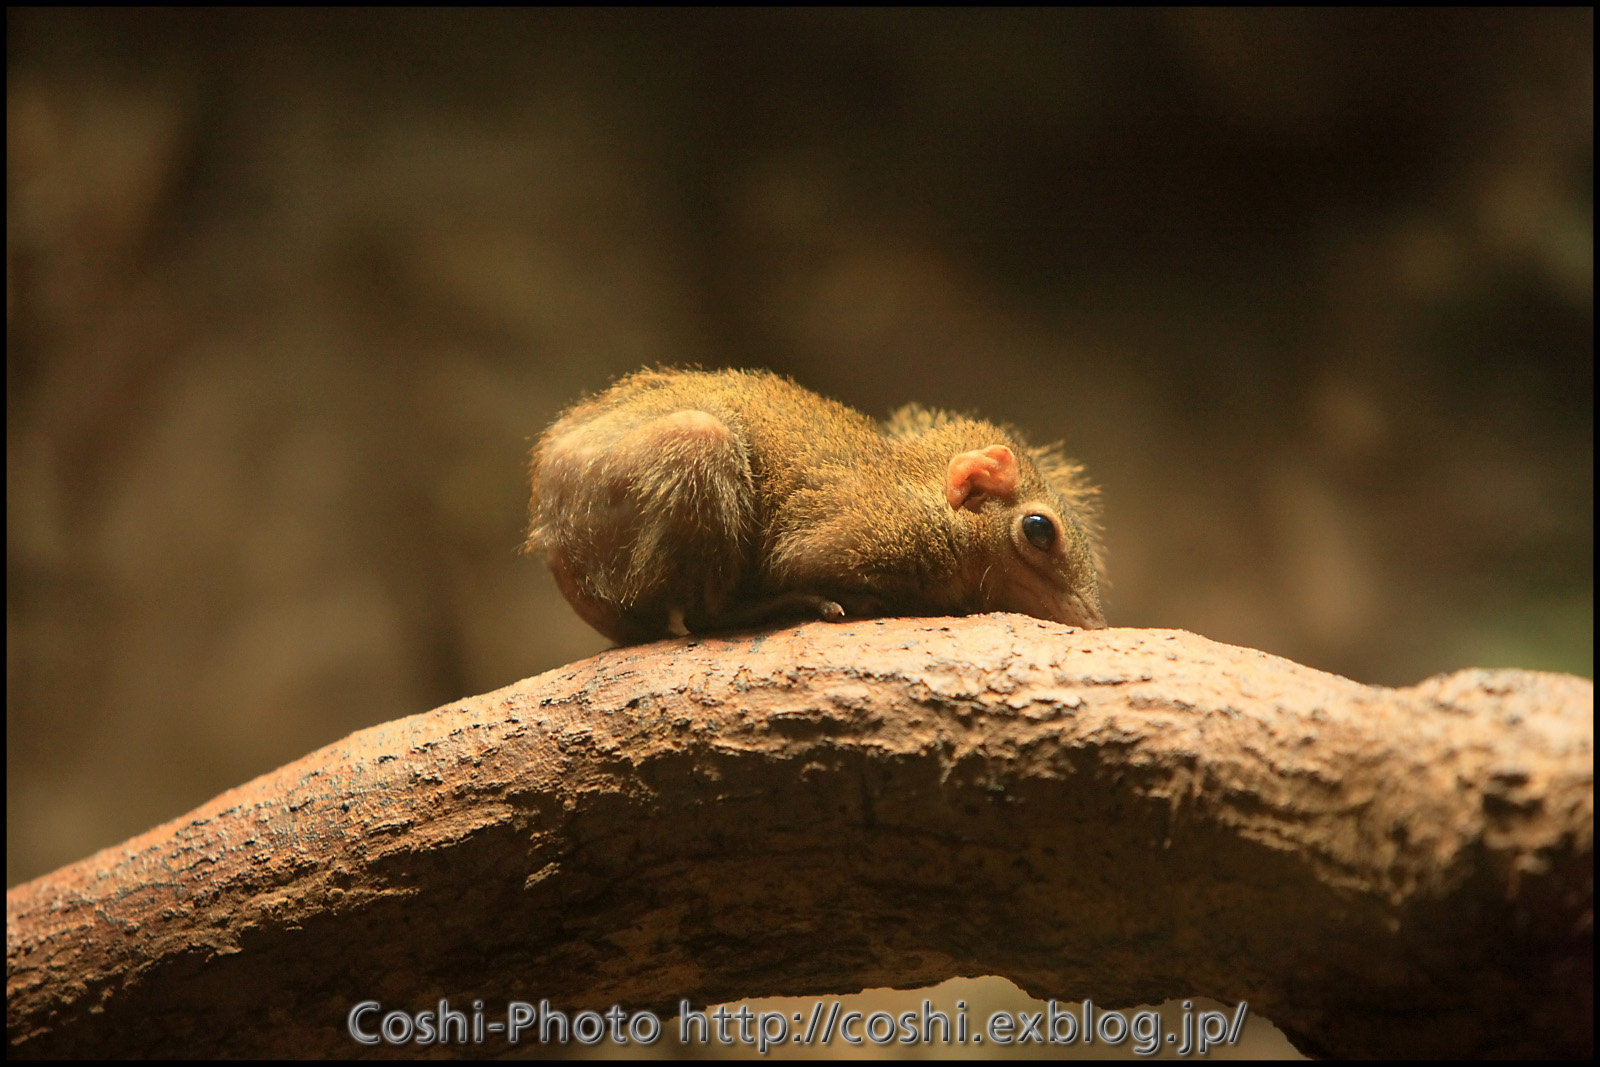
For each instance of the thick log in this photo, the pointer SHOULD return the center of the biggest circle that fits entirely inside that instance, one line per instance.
(1126, 815)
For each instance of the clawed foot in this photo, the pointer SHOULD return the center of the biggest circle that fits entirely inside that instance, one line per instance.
(790, 606)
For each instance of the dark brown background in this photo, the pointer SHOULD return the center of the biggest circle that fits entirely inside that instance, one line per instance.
(1309, 292)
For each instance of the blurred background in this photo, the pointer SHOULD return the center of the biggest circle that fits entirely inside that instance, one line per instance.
(289, 294)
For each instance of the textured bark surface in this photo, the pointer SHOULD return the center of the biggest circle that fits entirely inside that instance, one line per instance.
(1127, 815)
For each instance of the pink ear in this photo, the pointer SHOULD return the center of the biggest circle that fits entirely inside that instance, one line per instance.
(973, 475)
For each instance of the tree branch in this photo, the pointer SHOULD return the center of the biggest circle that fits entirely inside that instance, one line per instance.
(1127, 815)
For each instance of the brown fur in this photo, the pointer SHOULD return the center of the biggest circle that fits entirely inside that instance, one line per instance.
(691, 500)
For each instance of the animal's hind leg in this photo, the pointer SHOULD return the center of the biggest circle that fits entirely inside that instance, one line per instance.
(646, 519)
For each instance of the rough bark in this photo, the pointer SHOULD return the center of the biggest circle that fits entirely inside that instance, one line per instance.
(1127, 815)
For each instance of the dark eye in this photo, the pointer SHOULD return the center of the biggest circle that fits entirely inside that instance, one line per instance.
(1040, 531)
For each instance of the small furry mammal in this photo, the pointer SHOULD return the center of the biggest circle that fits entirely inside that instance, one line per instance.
(684, 501)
